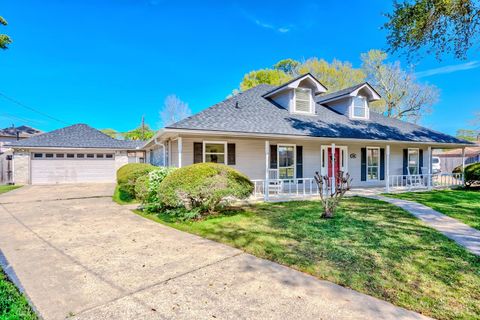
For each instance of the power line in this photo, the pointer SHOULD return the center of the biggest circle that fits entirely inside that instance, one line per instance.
(20, 119)
(31, 109)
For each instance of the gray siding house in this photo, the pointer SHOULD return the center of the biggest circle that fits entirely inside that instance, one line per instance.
(280, 136)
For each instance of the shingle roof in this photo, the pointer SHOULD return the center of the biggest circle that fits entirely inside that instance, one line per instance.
(339, 93)
(23, 131)
(77, 136)
(259, 115)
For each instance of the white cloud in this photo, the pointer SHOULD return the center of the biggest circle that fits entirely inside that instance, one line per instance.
(263, 24)
(448, 69)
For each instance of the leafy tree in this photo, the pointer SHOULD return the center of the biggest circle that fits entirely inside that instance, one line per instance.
(335, 76)
(439, 26)
(111, 132)
(467, 134)
(288, 66)
(402, 96)
(174, 110)
(4, 39)
(267, 76)
(143, 132)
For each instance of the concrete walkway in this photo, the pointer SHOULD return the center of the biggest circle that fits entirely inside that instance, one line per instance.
(77, 254)
(461, 233)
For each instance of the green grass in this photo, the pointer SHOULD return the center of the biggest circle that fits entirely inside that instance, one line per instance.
(13, 305)
(6, 188)
(462, 205)
(369, 246)
(122, 198)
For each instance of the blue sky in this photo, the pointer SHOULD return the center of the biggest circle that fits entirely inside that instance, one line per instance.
(107, 63)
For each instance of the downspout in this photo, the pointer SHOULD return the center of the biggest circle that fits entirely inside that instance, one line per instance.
(155, 141)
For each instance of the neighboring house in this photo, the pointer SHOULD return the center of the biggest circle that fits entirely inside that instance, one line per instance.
(12, 134)
(283, 135)
(450, 159)
(77, 153)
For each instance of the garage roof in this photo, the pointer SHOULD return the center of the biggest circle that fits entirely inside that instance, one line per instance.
(77, 136)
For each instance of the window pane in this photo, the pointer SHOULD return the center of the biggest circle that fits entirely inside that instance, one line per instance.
(359, 112)
(80, 155)
(60, 155)
(109, 156)
(90, 155)
(286, 173)
(373, 173)
(49, 155)
(214, 148)
(99, 155)
(70, 155)
(38, 155)
(215, 158)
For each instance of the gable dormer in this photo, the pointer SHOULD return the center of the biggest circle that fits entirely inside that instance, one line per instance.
(352, 102)
(298, 95)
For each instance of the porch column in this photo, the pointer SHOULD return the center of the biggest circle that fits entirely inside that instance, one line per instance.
(267, 167)
(180, 149)
(463, 165)
(333, 168)
(169, 152)
(429, 173)
(387, 169)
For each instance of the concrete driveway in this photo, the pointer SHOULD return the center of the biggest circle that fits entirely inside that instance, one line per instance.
(77, 254)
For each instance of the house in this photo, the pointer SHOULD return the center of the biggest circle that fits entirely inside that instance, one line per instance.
(450, 159)
(12, 134)
(77, 153)
(280, 136)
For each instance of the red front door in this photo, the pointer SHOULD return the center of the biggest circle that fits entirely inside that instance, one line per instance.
(337, 161)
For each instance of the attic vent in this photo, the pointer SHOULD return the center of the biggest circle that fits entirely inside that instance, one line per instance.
(236, 105)
(303, 98)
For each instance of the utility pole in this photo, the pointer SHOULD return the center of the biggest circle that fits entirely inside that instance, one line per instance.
(143, 127)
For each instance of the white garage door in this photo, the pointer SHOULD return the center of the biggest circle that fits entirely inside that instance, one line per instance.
(50, 168)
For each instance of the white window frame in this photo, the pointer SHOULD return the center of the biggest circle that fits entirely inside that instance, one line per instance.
(294, 159)
(418, 159)
(324, 162)
(225, 149)
(367, 109)
(295, 100)
(378, 166)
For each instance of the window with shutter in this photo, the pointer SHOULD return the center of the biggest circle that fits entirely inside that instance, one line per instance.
(303, 100)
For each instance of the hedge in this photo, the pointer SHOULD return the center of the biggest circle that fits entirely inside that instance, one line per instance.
(146, 187)
(203, 187)
(127, 177)
(472, 173)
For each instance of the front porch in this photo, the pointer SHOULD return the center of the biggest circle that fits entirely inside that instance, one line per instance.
(306, 188)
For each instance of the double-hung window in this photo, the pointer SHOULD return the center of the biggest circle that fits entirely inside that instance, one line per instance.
(360, 107)
(303, 100)
(373, 163)
(286, 161)
(413, 160)
(215, 152)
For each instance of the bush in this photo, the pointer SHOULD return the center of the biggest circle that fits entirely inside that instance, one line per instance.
(203, 187)
(146, 187)
(472, 173)
(127, 177)
(457, 169)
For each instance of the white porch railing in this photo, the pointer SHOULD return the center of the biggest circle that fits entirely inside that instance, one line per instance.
(424, 181)
(286, 188)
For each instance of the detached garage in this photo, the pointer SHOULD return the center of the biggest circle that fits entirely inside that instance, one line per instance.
(74, 154)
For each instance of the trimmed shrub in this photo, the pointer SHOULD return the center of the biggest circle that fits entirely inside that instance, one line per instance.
(146, 187)
(457, 169)
(203, 186)
(472, 174)
(127, 177)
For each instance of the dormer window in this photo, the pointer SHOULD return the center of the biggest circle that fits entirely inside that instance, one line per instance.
(360, 107)
(303, 100)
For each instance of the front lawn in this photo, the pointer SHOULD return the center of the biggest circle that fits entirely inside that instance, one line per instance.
(122, 198)
(6, 188)
(369, 246)
(463, 205)
(13, 305)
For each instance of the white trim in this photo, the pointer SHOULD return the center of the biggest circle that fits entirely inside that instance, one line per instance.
(294, 158)
(378, 165)
(387, 168)
(225, 149)
(310, 111)
(180, 151)
(418, 159)
(352, 108)
(320, 88)
(324, 152)
(375, 95)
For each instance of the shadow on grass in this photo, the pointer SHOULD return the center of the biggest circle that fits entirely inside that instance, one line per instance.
(369, 245)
